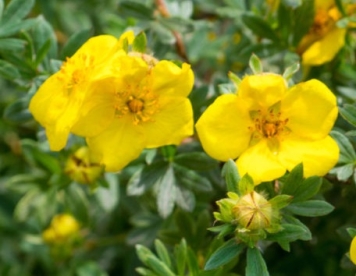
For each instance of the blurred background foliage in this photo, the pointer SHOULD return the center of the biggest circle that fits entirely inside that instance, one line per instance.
(118, 211)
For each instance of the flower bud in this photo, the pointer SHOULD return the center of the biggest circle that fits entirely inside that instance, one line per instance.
(63, 227)
(82, 168)
(252, 211)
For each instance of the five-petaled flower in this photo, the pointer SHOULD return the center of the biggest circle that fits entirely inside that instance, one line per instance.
(57, 103)
(272, 128)
(325, 38)
(143, 105)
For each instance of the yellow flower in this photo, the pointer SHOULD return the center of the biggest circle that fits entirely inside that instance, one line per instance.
(324, 39)
(62, 228)
(143, 105)
(57, 103)
(353, 250)
(272, 128)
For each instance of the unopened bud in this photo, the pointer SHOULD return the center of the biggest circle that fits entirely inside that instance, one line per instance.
(62, 228)
(253, 211)
(82, 168)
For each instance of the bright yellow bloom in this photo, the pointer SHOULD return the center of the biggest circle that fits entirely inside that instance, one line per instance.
(57, 103)
(353, 250)
(62, 228)
(143, 105)
(272, 128)
(324, 39)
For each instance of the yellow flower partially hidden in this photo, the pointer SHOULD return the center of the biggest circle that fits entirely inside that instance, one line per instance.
(57, 103)
(325, 38)
(272, 128)
(63, 227)
(143, 105)
(353, 250)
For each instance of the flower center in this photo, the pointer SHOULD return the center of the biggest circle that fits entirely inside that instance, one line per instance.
(74, 70)
(268, 124)
(136, 101)
(135, 105)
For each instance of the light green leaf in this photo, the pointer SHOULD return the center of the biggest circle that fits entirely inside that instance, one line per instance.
(231, 175)
(347, 152)
(246, 185)
(166, 195)
(108, 197)
(140, 43)
(162, 253)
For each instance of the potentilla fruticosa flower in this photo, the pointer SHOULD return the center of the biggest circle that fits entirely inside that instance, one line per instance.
(271, 128)
(353, 250)
(57, 103)
(143, 105)
(325, 38)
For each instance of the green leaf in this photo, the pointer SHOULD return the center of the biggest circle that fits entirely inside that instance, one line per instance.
(191, 179)
(135, 10)
(17, 10)
(162, 253)
(307, 189)
(255, 64)
(11, 44)
(294, 179)
(192, 261)
(223, 229)
(8, 71)
(292, 220)
(224, 254)
(12, 28)
(246, 185)
(235, 79)
(77, 202)
(292, 3)
(290, 232)
(351, 232)
(290, 71)
(185, 224)
(42, 52)
(303, 18)
(348, 112)
(280, 201)
(260, 27)
(108, 197)
(310, 208)
(255, 263)
(90, 268)
(347, 152)
(180, 256)
(18, 112)
(74, 42)
(197, 161)
(144, 179)
(140, 43)
(166, 195)
(231, 175)
(343, 173)
(159, 267)
(185, 199)
(1, 9)
(145, 272)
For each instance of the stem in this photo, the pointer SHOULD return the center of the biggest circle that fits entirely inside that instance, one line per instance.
(180, 47)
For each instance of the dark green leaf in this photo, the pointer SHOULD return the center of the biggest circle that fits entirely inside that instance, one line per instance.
(310, 208)
(307, 189)
(185, 199)
(17, 10)
(180, 256)
(224, 254)
(260, 27)
(166, 195)
(255, 263)
(343, 173)
(347, 152)
(348, 112)
(191, 179)
(74, 43)
(293, 181)
(303, 18)
(8, 71)
(246, 185)
(90, 268)
(12, 28)
(77, 202)
(197, 161)
(351, 232)
(290, 232)
(231, 175)
(135, 10)
(108, 198)
(18, 112)
(140, 43)
(42, 52)
(144, 179)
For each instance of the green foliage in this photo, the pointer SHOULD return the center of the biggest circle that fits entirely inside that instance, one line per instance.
(155, 217)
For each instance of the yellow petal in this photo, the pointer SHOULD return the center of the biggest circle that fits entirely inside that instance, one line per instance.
(310, 108)
(170, 79)
(318, 157)
(262, 90)
(120, 143)
(98, 47)
(260, 163)
(49, 101)
(171, 124)
(353, 250)
(98, 110)
(57, 138)
(223, 128)
(129, 35)
(323, 4)
(325, 49)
